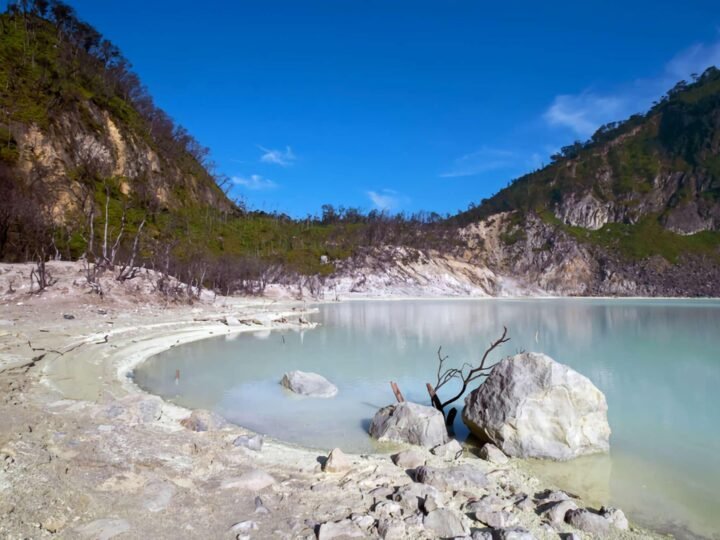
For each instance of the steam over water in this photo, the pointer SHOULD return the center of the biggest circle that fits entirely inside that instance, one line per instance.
(658, 363)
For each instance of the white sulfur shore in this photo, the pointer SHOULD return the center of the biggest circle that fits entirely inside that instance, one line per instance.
(85, 454)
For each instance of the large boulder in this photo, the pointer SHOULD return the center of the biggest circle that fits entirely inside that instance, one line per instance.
(533, 406)
(308, 384)
(410, 423)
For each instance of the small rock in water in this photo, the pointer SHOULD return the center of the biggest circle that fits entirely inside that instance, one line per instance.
(587, 521)
(337, 462)
(445, 523)
(616, 517)
(252, 442)
(490, 452)
(408, 422)
(449, 450)
(409, 459)
(309, 384)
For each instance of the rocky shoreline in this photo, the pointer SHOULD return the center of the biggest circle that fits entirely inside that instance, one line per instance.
(85, 454)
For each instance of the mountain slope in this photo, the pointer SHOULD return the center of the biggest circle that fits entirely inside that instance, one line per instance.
(635, 210)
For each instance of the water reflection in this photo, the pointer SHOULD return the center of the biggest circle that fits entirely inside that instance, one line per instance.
(657, 362)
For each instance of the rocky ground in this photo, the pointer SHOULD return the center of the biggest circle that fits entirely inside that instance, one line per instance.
(85, 454)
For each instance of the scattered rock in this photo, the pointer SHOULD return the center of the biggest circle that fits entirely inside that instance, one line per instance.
(552, 496)
(364, 521)
(481, 535)
(202, 420)
(587, 521)
(431, 503)
(413, 496)
(53, 524)
(244, 526)
(252, 442)
(557, 511)
(524, 502)
(68, 316)
(445, 523)
(391, 529)
(339, 529)
(460, 478)
(514, 533)
(135, 409)
(533, 406)
(496, 520)
(337, 462)
(103, 529)
(410, 459)
(616, 517)
(410, 423)
(490, 452)
(449, 450)
(385, 509)
(253, 480)
(308, 384)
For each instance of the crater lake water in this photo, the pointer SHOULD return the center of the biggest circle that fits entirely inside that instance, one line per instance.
(657, 361)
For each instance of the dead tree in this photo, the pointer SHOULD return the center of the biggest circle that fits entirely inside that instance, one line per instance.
(466, 374)
(128, 269)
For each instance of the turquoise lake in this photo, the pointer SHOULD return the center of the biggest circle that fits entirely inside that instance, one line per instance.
(657, 361)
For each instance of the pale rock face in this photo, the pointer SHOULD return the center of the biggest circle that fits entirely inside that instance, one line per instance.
(409, 423)
(534, 407)
(586, 212)
(309, 384)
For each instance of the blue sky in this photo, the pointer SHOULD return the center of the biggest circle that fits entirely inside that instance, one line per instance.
(400, 105)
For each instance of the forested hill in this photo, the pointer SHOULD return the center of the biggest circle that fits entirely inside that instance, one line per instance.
(88, 161)
(637, 206)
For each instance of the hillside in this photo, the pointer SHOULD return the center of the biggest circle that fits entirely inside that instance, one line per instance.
(634, 210)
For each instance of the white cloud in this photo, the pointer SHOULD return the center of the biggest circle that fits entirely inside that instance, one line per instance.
(386, 199)
(283, 158)
(254, 182)
(583, 113)
(480, 161)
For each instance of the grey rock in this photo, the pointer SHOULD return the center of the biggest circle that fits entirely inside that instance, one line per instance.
(413, 496)
(445, 523)
(409, 423)
(513, 533)
(251, 442)
(431, 503)
(68, 316)
(103, 529)
(481, 535)
(337, 462)
(387, 509)
(202, 420)
(450, 450)
(496, 520)
(555, 514)
(459, 478)
(157, 495)
(533, 406)
(487, 503)
(309, 384)
(391, 529)
(490, 452)
(616, 517)
(553, 496)
(587, 521)
(253, 480)
(260, 507)
(524, 503)
(244, 526)
(231, 321)
(340, 529)
(410, 459)
(364, 521)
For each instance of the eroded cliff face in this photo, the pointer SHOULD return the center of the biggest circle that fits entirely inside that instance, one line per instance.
(89, 142)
